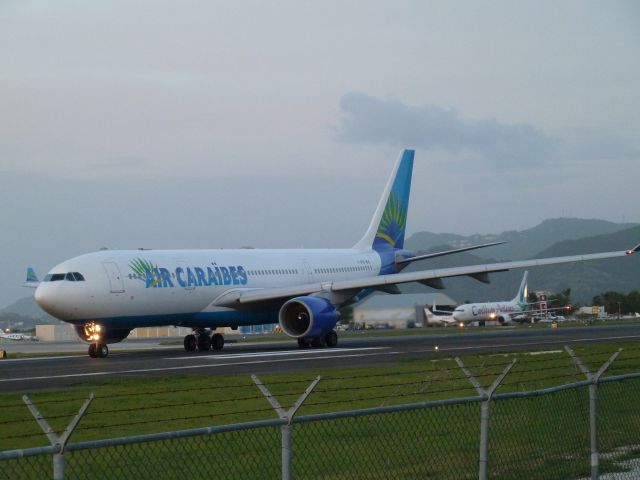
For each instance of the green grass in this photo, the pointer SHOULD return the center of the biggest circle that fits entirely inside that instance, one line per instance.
(539, 437)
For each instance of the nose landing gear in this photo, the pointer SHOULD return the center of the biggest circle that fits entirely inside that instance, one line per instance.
(98, 350)
(93, 333)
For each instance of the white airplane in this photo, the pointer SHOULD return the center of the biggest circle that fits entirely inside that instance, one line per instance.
(17, 336)
(106, 294)
(503, 312)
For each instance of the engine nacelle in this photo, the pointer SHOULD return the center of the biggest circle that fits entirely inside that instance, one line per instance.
(307, 317)
(504, 319)
(93, 333)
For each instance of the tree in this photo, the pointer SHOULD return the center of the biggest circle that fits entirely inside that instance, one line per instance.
(616, 302)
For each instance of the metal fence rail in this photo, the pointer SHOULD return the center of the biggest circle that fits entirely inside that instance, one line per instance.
(544, 433)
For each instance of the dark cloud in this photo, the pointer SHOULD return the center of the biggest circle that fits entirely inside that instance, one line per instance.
(366, 119)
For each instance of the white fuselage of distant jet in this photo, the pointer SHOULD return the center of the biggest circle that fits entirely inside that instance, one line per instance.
(504, 312)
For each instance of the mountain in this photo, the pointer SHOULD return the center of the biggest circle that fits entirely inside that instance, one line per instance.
(24, 315)
(585, 279)
(520, 244)
(26, 306)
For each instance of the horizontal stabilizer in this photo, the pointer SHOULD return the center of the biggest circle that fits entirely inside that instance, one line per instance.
(445, 252)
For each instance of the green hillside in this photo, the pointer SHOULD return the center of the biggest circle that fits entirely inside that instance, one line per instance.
(520, 244)
(585, 279)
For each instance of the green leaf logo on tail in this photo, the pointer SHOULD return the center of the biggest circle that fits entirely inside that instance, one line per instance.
(392, 223)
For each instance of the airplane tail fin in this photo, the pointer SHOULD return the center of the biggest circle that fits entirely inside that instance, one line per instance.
(32, 278)
(386, 230)
(523, 291)
(429, 315)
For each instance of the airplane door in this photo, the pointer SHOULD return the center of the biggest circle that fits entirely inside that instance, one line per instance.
(308, 273)
(116, 281)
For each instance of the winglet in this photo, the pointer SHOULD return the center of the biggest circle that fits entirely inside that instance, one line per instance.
(32, 278)
(634, 250)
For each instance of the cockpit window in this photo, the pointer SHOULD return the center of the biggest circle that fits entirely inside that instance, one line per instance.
(71, 277)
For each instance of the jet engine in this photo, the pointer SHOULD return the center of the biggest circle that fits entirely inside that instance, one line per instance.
(308, 317)
(95, 333)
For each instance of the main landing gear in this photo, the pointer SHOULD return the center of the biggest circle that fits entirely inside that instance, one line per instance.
(329, 339)
(200, 339)
(98, 350)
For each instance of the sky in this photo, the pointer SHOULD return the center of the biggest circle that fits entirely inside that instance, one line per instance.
(204, 124)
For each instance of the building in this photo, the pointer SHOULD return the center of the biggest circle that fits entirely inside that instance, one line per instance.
(398, 311)
(594, 311)
(61, 332)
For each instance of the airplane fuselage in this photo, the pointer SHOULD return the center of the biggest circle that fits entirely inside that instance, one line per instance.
(479, 312)
(133, 288)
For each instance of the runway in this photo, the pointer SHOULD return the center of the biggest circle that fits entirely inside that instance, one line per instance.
(149, 358)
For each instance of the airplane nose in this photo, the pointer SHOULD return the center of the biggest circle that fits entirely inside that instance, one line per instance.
(44, 298)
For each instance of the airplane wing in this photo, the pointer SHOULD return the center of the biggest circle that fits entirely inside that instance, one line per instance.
(239, 298)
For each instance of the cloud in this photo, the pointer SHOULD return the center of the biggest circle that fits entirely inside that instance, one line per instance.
(367, 119)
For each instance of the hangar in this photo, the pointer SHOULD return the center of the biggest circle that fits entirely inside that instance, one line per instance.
(398, 311)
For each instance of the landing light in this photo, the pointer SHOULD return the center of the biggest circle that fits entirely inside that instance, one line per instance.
(436, 348)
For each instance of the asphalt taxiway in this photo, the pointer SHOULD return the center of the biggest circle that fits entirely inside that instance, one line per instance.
(148, 358)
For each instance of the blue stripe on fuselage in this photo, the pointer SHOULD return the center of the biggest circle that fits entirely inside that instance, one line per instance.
(199, 319)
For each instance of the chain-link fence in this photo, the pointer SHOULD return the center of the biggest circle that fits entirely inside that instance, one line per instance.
(544, 433)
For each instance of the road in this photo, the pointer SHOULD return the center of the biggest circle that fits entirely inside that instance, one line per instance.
(147, 358)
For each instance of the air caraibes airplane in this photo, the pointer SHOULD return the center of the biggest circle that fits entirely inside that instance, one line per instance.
(108, 293)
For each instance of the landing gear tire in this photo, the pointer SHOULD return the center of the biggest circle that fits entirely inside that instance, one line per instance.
(99, 350)
(190, 343)
(318, 342)
(102, 350)
(217, 342)
(303, 343)
(481, 323)
(331, 339)
(204, 342)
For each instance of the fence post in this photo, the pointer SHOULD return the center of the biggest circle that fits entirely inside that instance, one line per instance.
(593, 397)
(288, 416)
(54, 439)
(484, 413)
